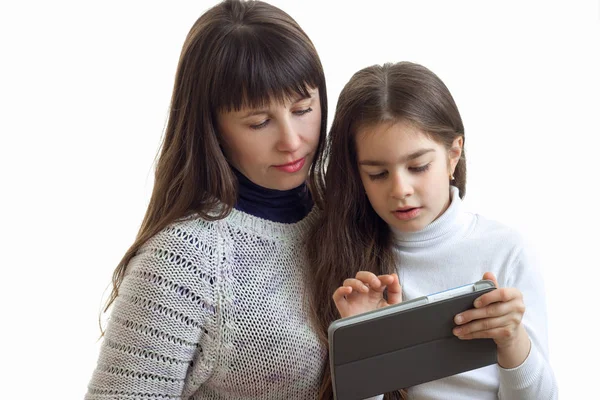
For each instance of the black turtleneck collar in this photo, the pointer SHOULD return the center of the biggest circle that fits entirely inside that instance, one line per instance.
(288, 206)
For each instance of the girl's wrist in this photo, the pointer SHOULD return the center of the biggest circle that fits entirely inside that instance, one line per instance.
(515, 353)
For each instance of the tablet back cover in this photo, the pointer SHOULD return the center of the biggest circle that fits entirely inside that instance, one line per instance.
(408, 348)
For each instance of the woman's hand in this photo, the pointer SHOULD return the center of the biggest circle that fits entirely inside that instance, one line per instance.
(497, 315)
(365, 293)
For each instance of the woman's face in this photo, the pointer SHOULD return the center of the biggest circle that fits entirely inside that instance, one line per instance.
(273, 146)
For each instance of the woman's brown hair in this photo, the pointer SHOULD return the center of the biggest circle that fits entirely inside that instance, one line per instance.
(350, 236)
(238, 54)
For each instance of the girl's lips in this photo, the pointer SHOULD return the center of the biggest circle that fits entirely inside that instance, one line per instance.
(407, 214)
(294, 166)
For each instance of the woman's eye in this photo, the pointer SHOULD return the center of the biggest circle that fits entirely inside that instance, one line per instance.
(422, 168)
(261, 125)
(302, 112)
(380, 175)
(266, 122)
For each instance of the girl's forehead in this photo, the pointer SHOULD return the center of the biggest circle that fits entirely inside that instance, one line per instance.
(393, 140)
(401, 130)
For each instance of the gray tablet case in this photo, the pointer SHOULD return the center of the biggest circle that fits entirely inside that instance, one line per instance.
(404, 348)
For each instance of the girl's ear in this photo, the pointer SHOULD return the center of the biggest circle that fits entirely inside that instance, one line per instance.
(454, 153)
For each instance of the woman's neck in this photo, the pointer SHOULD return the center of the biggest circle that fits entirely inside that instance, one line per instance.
(287, 206)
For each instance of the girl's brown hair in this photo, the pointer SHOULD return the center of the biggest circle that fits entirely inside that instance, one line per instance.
(350, 236)
(238, 54)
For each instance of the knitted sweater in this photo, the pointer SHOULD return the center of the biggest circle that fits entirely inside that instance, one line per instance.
(454, 250)
(213, 310)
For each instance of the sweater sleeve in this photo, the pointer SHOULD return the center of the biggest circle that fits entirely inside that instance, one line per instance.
(534, 378)
(160, 341)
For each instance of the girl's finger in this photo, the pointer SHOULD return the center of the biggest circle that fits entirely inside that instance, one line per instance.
(384, 281)
(491, 277)
(394, 290)
(341, 293)
(487, 324)
(498, 295)
(491, 311)
(496, 333)
(369, 278)
(339, 299)
(356, 285)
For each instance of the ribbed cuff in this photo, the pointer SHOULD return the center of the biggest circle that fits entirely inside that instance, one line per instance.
(525, 375)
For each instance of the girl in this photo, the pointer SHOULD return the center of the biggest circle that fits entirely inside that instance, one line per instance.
(393, 214)
(207, 303)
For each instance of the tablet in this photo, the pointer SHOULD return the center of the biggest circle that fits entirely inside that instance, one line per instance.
(405, 344)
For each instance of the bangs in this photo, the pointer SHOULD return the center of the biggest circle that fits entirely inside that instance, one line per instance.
(256, 67)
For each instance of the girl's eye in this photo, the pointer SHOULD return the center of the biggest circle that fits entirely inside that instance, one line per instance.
(302, 112)
(422, 168)
(261, 125)
(380, 175)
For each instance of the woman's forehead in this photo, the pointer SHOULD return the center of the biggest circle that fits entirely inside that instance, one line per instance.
(284, 98)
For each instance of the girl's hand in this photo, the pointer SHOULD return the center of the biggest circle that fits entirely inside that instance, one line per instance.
(497, 315)
(365, 293)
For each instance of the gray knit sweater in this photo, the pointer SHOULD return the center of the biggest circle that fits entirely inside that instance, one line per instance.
(213, 310)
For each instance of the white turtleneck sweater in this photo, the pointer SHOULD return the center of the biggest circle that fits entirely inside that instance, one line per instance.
(454, 250)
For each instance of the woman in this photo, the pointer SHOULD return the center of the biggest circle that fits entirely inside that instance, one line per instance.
(207, 303)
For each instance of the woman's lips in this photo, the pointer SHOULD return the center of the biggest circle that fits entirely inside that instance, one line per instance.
(294, 166)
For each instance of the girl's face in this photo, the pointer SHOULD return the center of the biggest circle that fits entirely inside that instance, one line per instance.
(274, 146)
(405, 173)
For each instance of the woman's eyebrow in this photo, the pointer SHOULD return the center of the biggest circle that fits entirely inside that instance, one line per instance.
(300, 98)
(294, 100)
(252, 113)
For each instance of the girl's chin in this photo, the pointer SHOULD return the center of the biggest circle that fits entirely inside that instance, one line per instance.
(411, 226)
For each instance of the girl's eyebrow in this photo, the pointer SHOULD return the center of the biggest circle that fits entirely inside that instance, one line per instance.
(412, 156)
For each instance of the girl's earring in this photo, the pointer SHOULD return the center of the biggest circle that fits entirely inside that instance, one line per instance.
(451, 177)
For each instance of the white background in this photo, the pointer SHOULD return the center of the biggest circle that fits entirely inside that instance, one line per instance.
(85, 89)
